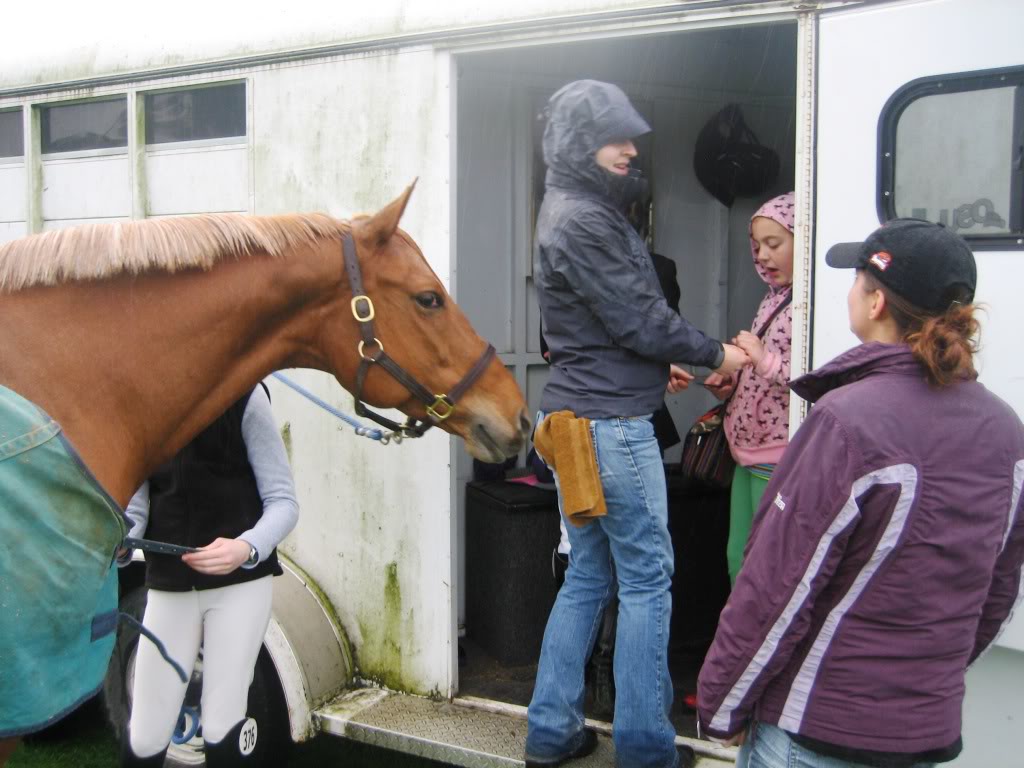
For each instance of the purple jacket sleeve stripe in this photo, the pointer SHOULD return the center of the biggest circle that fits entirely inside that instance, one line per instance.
(906, 476)
(1018, 481)
(722, 720)
(1007, 588)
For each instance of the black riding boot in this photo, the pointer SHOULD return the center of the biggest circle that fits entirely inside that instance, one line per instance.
(130, 760)
(227, 753)
(600, 666)
(559, 565)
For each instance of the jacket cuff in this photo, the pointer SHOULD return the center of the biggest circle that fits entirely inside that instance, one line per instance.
(713, 734)
(768, 366)
(719, 357)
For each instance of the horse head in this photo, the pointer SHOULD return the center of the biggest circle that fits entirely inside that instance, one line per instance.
(414, 321)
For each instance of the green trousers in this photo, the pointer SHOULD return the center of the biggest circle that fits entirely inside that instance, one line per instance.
(747, 490)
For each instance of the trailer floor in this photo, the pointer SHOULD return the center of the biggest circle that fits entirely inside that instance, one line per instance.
(481, 676)
(467, 732)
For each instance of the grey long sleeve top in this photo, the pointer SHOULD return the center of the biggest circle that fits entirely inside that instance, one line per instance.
(266, 453)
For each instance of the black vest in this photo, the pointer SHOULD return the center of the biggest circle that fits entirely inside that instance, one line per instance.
(207, 490)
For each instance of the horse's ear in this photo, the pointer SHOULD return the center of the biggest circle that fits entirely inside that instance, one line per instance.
(382, 225)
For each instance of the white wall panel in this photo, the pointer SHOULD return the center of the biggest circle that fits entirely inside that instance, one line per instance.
(54, 224)
(12, 192)
(347, 136)
(207, 180)
(12, 230)
(86, 188)
(934, 38)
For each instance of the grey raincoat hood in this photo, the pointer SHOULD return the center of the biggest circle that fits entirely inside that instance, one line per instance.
(585, 115)
(610, 332)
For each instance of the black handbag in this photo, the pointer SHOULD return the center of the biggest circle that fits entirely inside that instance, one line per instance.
(706, 458)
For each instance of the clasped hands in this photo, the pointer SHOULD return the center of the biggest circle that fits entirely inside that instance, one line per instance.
(746, 349)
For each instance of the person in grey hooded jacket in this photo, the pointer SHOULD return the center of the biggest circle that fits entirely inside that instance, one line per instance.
(612, 338)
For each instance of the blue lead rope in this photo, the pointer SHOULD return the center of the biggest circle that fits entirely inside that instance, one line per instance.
(361, 431)
(133, 622)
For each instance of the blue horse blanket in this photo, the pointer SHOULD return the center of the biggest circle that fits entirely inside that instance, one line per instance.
(59, 533)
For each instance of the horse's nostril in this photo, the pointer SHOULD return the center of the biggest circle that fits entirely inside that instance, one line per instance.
(524, 422)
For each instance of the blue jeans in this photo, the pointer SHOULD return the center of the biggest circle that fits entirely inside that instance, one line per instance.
(633, 535)
(771, 747)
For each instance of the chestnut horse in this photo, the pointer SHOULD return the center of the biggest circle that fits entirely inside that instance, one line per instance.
(134, 336)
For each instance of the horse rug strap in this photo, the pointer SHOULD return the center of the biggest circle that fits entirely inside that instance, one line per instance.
(58, 596)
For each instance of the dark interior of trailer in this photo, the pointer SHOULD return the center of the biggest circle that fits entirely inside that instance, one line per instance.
(508, 530)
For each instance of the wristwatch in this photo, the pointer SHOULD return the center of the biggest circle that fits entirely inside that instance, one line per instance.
(254, 556)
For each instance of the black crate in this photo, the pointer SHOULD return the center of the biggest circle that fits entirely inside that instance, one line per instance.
(511, 531)
(698, 521)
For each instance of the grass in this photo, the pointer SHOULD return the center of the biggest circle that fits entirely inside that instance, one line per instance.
(84, 740)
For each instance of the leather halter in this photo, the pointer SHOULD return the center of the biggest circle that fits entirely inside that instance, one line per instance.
(371, 351)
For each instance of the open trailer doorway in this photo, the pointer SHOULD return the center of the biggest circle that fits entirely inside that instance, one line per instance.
(679, 80)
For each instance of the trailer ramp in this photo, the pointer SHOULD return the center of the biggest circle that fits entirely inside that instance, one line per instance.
(470, 732)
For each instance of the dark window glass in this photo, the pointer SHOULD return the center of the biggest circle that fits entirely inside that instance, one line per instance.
(200, 113)
(953, 152)
(12, 142)
(85, 125)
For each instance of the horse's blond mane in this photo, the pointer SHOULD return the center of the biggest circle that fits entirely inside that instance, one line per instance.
(100, 251)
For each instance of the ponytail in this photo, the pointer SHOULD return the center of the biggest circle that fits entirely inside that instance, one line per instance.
(943, 344)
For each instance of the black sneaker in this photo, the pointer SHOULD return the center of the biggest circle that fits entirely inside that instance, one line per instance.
(559, 565)
(687, 757)
(587, 745)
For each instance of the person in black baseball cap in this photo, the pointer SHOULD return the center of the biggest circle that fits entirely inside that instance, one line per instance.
(915, 284)
(882, 560)
(925, 263)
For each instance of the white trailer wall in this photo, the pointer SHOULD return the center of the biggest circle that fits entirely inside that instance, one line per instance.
(343, 135)
(938, 37)
(346, 136)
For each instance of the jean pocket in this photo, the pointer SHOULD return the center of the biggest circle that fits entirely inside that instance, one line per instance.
(637, 428)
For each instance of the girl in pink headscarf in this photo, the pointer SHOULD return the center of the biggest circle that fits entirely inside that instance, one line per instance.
(757, 416)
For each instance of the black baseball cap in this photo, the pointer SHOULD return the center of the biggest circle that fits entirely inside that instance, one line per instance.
(925, 263)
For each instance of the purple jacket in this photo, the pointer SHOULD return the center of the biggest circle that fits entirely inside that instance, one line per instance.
(885, 557)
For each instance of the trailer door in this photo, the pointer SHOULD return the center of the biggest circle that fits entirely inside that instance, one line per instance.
(920, 113)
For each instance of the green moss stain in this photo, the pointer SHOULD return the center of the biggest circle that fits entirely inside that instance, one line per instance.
(392, 595)
(391, 623)
(386, 635)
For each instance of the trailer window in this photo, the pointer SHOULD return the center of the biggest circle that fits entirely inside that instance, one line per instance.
(213, 112)
(85, 125)
(12, 142)
(953, 152)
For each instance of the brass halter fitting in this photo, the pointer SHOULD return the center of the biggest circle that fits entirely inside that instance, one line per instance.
(441, 408)
(370, 313)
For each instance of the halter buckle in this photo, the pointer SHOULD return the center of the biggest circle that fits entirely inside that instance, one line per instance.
(441, 402)
(366, 357)
(370, 313)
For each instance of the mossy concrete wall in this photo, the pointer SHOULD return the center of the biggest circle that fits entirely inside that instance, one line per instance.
(345, 136)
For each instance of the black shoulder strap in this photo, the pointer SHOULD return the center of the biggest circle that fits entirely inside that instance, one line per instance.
(778, 310)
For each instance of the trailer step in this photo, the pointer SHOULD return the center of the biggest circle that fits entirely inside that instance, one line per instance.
(471, 732)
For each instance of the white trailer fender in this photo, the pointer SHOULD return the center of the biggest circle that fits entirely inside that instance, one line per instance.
(308, 647)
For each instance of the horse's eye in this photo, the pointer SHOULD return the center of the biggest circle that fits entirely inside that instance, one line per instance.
(430, 300)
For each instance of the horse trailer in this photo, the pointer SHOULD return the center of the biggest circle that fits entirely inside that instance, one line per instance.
(413, 596)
